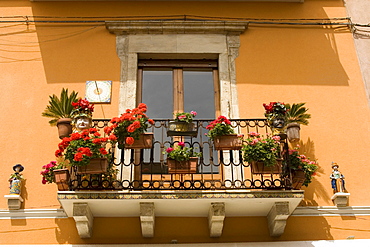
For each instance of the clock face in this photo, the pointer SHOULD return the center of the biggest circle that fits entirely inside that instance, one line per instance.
(98, 91)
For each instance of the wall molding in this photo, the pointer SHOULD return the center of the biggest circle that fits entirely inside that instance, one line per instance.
(300, 211)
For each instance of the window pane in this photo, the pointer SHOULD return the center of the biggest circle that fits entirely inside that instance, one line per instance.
(199, 96)
(158, 93)
(199, 93)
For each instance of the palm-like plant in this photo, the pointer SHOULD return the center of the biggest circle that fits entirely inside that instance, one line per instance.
(60, 107)
(297, 113)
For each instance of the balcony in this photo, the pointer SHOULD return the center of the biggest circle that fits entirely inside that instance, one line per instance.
(222, 186)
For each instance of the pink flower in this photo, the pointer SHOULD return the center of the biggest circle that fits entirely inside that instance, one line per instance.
(251, 134)
(194, 113)
(181, 117)
(276, 138)
(169, 150)
(181, 144)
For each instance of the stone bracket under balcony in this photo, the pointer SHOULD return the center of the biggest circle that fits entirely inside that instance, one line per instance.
(277, 206)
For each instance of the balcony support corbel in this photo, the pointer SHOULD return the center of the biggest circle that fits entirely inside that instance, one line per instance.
(83, 218)
(277, 218)
(147, 219)
(216, 217)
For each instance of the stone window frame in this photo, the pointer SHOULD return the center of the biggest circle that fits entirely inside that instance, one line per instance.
(178, 40)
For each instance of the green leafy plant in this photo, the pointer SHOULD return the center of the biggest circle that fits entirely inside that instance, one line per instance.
(80, 148)
(297, 113)
(301, 162)
(60, 107)
(181, 152)
(258, 148)
(220, 126)
(185, 116)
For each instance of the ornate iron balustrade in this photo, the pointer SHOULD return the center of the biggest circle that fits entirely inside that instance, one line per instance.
(146, 169)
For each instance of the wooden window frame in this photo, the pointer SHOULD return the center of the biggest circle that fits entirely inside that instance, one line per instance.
(177, 67)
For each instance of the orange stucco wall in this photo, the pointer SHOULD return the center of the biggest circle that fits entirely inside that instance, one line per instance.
(184, 230)
(316, 65)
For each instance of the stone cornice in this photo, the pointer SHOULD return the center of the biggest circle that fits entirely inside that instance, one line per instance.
(130, 195)
(299, 211)
(177, 27)
(32, 214)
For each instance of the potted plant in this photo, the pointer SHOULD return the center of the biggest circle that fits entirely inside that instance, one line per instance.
(56, 173)
(183, 125)
(276, 114)
(262, 153)
(223, 135)
(303, 169)
(60, 109)
(181, 159)
(86, 150)
(296, 115)
(128, 129)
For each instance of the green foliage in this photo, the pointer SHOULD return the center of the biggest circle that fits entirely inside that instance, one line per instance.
(185, 116)
(60, 107)
(180, 152)
(297, 113)
(262, 149)
(297, 162)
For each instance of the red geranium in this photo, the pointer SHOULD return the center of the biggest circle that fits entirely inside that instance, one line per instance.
(79, 148)
(128, 127)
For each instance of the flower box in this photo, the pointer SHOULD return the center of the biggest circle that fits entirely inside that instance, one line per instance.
(145, 141)
(258, 167)
(298, 179)
(61, 177)
(96, 166)
(177, 128)
(182, 167)
(227, 142)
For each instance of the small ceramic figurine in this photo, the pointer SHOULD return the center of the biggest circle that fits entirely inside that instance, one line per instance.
(15, 180)
(82, 123)
(337, 179)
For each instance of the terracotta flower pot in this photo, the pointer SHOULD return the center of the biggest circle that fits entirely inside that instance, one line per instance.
(145, 141)
(293, 132)
(64, 127)
(176, 128)
(61, 177)
(227, 142)
(96, 166)
(298, 179)
(258, 167)
(182, 167)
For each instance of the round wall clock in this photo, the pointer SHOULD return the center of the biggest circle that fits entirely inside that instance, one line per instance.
(98, 91)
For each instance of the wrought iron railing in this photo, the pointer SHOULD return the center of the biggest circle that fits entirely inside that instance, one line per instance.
(146, 169)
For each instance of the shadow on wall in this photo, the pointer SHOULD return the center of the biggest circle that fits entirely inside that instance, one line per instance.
(78, 53)
(300, 228)
(315, 188)
(74, 52)
(283, 55)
